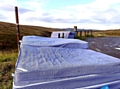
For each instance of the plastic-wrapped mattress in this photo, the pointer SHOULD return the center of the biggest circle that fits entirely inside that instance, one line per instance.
(46, 67)
(65, 34)
(54, 42)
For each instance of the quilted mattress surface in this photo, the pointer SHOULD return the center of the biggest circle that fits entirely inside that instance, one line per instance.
(51, 67)
(54, 42)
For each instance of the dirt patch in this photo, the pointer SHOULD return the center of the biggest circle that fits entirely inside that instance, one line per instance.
(107, 45)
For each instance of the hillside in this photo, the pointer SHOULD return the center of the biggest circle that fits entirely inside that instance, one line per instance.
(110, 32)
(8, 33)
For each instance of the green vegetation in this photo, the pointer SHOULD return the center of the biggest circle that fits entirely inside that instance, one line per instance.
(7, 64)
(8, 46)
(83, 37)
(104, 33)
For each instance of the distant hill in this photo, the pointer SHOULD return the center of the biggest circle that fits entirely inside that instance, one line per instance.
(8, 33)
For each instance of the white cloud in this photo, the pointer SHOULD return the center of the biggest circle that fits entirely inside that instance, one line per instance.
(96, 14)
(100, 14)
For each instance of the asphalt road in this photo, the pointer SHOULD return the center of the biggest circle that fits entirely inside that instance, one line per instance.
(107, 45)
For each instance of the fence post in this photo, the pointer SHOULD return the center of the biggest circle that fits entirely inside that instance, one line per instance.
(58, 35)
(75, 29)
(85, 33)
(17, 27)
(91, 32)
(80, 33)
(62, 35)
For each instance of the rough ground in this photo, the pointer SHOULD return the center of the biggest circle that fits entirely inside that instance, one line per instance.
(105, 45)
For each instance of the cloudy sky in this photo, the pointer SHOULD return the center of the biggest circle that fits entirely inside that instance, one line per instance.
(92, 14)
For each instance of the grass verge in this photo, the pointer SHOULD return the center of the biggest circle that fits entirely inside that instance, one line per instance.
(7, 64)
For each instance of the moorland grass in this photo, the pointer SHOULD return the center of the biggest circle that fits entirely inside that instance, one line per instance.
(7, 65)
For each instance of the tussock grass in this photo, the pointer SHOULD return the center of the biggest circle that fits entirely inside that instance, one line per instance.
(7, 64)
(8, 56)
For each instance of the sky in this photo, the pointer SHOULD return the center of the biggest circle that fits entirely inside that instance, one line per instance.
(87, 14)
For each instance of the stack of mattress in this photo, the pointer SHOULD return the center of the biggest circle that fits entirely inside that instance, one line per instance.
(65, 34)
(56, 63)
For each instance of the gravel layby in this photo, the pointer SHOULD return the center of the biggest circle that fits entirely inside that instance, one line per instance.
(106, 45)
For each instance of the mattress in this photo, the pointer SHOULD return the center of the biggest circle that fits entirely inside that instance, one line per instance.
(72, 35)
(49, 67)
(55, 34)
(54, 42)
(67, 34)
